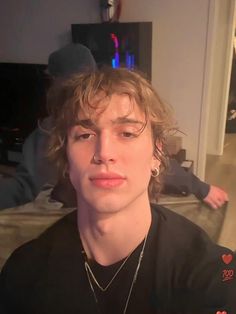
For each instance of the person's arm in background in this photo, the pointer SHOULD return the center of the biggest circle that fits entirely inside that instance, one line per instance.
(21, 188)
(31, 174)
(17, 190)
(212, 195)
(179, 181)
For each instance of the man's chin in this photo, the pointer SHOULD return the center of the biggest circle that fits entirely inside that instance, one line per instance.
(106, 207)
(110, 203)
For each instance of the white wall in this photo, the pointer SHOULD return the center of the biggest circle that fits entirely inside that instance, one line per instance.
(179, 53)
(31, 29)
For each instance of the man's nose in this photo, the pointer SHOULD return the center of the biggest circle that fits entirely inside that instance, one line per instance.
(105, 149)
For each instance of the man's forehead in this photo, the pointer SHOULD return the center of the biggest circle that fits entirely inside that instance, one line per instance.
(116, 109)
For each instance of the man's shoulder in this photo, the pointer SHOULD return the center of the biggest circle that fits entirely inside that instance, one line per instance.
(34, 265)
(176, 224)
(184, 246)
(180, 238)
(34, 254)
(197, 264)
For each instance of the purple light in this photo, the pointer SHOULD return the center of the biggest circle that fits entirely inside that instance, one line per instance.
(129, 58)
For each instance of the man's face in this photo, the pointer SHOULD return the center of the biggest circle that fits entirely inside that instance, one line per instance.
(110, 161)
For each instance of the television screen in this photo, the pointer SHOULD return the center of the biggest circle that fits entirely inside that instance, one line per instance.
(22, 102)
(118, 44)
(22, 95)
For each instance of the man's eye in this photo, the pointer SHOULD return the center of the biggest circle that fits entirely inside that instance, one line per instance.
(129, 134)
(83, 137)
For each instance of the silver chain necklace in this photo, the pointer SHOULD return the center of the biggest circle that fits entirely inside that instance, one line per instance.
(88, 269)
(90, 273)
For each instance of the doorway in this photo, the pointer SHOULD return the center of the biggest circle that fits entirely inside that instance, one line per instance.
(223, 28)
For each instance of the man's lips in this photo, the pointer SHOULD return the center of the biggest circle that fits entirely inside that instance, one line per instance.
(107, 180)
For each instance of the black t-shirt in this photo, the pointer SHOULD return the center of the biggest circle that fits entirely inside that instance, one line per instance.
(182, 272)
(141, 300)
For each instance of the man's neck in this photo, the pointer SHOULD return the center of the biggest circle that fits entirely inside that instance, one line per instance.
(110, 238)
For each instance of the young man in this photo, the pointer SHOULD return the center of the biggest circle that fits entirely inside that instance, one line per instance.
(117, 253)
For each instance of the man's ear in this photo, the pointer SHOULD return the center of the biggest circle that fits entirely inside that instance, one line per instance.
(159, 145)
(156, 162)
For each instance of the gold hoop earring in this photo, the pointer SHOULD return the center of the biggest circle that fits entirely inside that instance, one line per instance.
(155, 172)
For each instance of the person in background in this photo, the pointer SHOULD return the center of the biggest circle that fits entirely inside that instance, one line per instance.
(35, 171)
(117, 252)
(179, 181)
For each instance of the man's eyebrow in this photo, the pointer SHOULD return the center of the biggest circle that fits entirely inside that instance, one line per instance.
(86, 123)
(126, 120)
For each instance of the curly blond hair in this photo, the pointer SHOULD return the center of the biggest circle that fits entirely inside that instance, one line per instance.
(78, 93)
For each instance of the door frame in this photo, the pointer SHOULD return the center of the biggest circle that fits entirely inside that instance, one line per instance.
(216, 75)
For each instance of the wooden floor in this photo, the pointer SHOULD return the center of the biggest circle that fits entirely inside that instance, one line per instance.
(221, 171)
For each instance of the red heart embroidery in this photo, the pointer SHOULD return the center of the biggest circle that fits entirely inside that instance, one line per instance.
(219, 312)
(227, 258)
